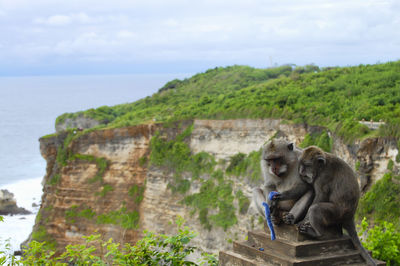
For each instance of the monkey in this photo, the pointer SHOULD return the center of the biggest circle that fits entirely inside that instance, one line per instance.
(336, 197)
(279, 165)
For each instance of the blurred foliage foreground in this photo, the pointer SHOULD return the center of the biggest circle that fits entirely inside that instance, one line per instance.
(152, 249)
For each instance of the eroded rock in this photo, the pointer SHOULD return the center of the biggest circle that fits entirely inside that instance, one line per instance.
(8, 204)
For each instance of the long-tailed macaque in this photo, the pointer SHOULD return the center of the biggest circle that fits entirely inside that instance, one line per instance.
(336, 197)
(279, 165)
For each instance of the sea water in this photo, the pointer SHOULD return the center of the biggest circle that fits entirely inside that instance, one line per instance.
(28, 109)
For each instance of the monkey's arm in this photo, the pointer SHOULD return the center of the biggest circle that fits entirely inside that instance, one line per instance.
(294, 193)
(299, 209)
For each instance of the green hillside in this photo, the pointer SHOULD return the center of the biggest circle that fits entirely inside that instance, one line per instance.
(337, 98)
(333, 97)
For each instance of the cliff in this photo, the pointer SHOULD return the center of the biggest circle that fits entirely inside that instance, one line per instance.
(124, 180)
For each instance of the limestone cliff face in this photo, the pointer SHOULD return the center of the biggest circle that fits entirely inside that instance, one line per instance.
(106, 184)
(102, 183)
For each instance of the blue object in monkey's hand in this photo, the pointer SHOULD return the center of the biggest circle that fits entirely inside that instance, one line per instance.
(268, 214)
(272, 194)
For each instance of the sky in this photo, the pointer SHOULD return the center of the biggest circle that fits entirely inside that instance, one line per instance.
(53, 37)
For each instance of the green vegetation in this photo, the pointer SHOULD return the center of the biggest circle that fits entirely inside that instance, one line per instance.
(63, 153)
(72, 213)
(87, 213)
(55, 179)
(215, 193)
(214, 202)
(175, 156)
(333, 98)
(106, 188)
(64, 156)
(40, 234)
(390, 165)
(245, 165)
(143, 161)
(383, 240)
(336, 98)
(357, 165)
(121, 217)
(101, 163)
(243, 201)
(136, 192)
(153, 249)
(320, 139)
(382, 202)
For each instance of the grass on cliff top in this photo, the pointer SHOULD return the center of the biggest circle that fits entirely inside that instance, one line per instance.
(336, 98)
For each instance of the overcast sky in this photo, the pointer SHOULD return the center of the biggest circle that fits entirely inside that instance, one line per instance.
(46, 37)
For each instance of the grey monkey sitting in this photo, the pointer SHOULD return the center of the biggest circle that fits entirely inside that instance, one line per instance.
(336, 197)
(279, 165)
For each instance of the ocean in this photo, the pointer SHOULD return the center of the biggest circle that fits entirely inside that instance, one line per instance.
(28, 109)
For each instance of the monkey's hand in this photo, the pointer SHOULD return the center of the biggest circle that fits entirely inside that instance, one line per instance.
(273, 205)
(274, 196)
(288, 218)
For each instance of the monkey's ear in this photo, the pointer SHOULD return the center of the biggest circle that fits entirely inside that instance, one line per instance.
(290, 146)
(321, 159)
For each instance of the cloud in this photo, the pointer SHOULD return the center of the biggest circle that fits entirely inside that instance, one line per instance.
(125, 34)
(56, 20)
(213, 32)
(63, 20)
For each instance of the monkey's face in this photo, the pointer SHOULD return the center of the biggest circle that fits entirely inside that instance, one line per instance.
(306, 171)
(311, 162)
(278, 156)
(277, 166)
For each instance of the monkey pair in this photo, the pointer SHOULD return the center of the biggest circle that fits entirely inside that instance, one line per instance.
(316, 188)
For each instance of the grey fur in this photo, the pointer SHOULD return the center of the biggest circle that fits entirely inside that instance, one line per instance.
(280, 157)
(336, 197)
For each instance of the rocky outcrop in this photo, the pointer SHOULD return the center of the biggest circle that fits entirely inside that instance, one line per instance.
(102, 180)
(374, 159)
(8, 204)
(81, 122)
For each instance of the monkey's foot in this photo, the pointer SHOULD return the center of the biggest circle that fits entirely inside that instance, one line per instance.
(288, 218)
(306, 229)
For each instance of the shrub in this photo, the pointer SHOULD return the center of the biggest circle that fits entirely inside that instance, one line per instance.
(320, 139)
(390, 165)
(383, 240)
(382, 202)
(153, 249)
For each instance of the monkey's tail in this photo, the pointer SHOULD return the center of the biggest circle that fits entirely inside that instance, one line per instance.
(351, 229)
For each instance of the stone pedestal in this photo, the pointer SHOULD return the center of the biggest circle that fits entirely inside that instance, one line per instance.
(291, 248)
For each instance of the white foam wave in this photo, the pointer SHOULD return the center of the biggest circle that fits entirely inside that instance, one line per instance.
(18, 227)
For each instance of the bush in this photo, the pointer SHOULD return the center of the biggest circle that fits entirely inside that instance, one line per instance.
(321, 139)
(152, 249)
(382, 202)
(383, 240)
